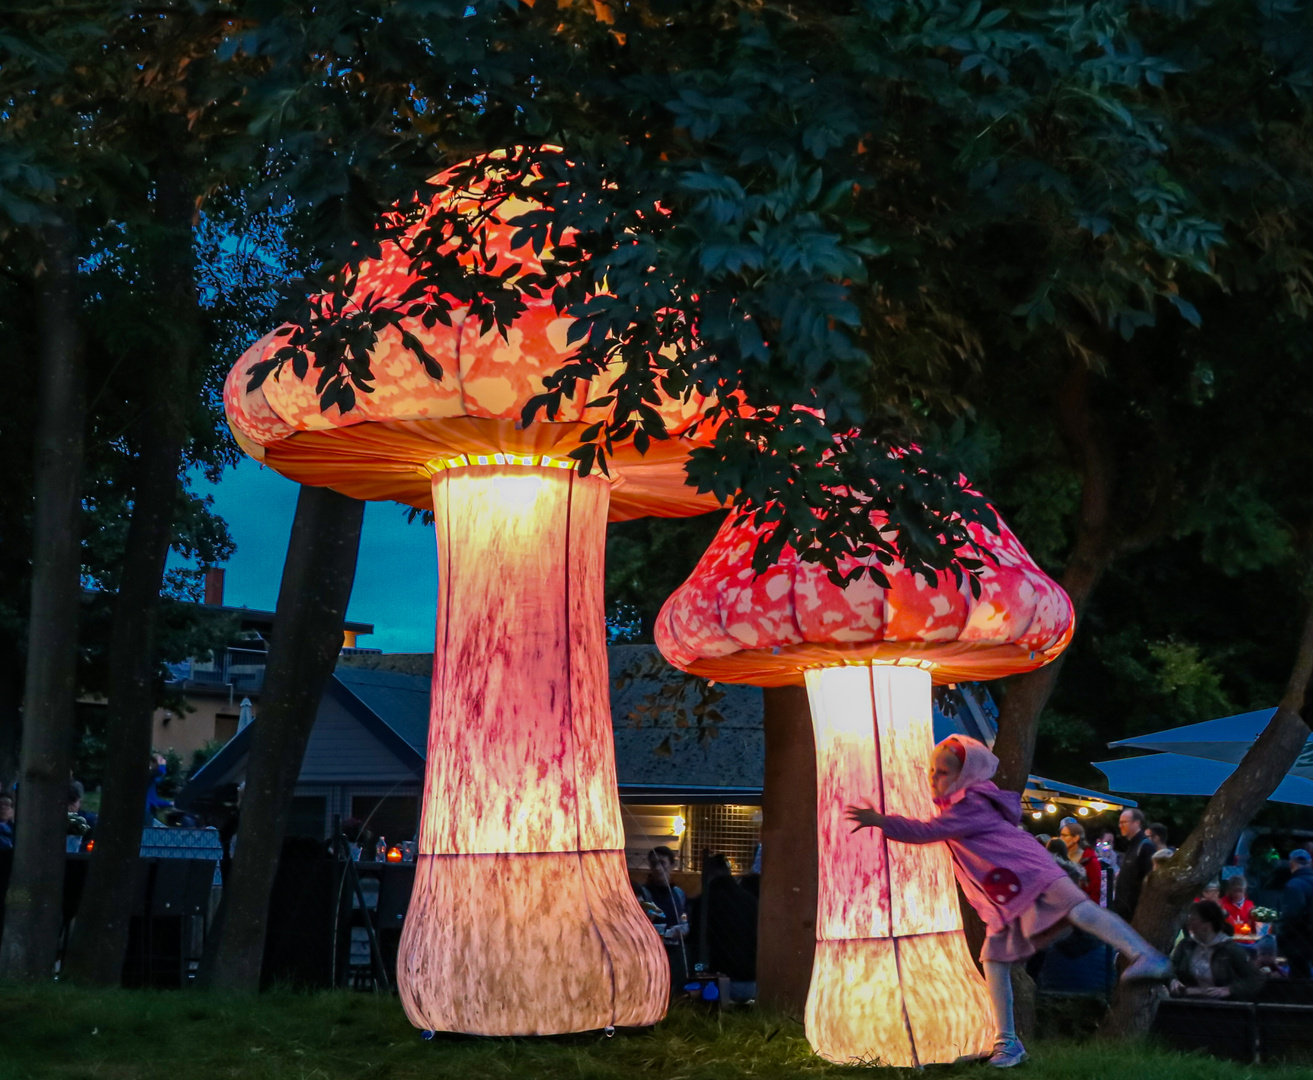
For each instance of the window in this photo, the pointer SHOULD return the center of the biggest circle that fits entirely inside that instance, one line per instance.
(732, 831)
(393, 817)
(225, 726)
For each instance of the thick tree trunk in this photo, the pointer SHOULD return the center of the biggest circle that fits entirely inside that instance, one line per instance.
(317, 577)
(1170, 888)
(786, 920)
(99, 939)
(33, 910)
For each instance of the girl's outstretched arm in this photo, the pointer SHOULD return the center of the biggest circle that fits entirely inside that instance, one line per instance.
(955, 821)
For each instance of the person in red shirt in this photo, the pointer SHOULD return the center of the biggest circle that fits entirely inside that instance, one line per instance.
(1072, 834)
(1238, 907)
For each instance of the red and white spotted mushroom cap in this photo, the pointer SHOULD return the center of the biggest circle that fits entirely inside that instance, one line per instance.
(730, 624)
(387, 445)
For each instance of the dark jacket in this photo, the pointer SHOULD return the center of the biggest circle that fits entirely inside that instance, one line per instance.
(1296, 927)
(1136, 863)
(1231, 966)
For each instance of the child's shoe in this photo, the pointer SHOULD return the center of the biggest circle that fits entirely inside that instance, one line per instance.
(1007, 1052)
(1151, 966)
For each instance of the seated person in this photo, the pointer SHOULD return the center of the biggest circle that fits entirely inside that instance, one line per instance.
(1237, 906)
(1208, 964)
(75, 793)
(1212, 892)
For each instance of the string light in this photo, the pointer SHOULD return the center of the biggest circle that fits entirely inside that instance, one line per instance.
(461, 461)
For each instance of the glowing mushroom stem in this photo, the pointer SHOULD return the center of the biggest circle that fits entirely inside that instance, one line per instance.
(892, 980)
(522, 920)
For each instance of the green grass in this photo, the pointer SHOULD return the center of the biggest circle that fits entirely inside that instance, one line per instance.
(59, 1033)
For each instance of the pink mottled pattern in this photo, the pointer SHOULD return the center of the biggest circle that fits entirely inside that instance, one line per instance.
(925, 897)
(485, 375)
(853, 895)
(725, 608)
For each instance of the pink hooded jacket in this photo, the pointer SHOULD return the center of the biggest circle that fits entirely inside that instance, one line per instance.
(1001, 868)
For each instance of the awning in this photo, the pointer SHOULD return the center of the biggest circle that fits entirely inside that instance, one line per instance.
(1227, 739)
(1177, 774)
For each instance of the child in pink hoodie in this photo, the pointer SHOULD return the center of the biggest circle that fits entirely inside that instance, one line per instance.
(1025, 899)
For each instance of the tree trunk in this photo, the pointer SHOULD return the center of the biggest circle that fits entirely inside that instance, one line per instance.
(317, 577)
(786, 920)
(1200, 857)
(1093, 552)
(33, 911)
(99, 938)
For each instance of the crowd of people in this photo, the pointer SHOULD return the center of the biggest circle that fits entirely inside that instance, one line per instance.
(1226, 950)
(714, 931)
(81, 820)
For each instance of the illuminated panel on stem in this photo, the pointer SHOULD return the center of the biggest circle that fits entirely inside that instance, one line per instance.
(925, 900)
(892, 981)
(522, 920)
(853, 896)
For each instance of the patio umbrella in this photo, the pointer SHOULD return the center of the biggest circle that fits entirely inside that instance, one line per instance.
(1227, 739)
(1178, 774)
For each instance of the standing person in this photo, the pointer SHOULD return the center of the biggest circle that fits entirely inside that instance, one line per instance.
(1237, 906)
(1295, 935)
(158, 769)
(1136, 862)
(1158, 835)
(1023, 896)
(6, 820)
(1072, 834)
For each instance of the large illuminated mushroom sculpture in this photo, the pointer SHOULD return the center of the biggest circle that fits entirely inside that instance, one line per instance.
(522, 920)
(892, 980)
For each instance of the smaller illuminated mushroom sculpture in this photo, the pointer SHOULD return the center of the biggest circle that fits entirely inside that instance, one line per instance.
(892, 979)
(522, 920)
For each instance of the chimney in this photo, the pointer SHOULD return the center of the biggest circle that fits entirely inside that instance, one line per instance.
(214, 585)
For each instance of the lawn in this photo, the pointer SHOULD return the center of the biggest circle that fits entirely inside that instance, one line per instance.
(58, 1033)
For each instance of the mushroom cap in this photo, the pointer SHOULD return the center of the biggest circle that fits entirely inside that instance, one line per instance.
(729, 624)
(390, 444)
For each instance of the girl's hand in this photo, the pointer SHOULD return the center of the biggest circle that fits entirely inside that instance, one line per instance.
(864, 817)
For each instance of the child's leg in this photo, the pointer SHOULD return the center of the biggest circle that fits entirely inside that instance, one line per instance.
(1109, 928)
(1146, 961)
(998, 978)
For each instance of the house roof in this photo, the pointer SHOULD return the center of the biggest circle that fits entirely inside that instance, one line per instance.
(677, 738)
(255, 619)
(400, 701)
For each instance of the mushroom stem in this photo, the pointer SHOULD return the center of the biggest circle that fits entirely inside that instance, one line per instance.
(892, 978)
(522, 920)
